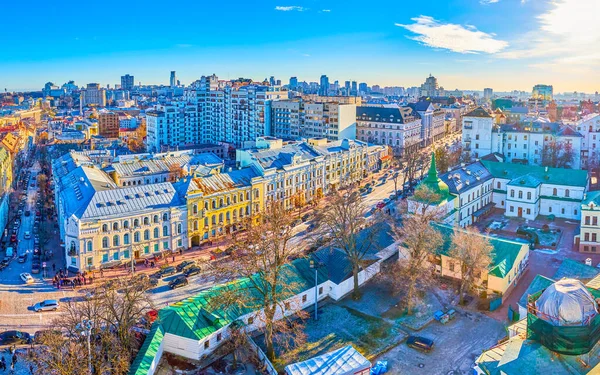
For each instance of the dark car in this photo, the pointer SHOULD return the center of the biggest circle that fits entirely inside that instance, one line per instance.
(194, 270)
(178, 282)
(420, 343)
(14, 337)
(185, 265)
(22, 258)
(35, 267)
(167, 271)
(27, 213)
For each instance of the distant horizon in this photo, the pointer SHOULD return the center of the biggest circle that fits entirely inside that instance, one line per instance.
(388, 43)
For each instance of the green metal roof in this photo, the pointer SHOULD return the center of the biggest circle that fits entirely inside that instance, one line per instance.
(504, 254)
(574, 269)
(148, 351)
(200, 316)
(525, 181)
(592, 197)
(538, 283)
(434, 183)
(555, 176)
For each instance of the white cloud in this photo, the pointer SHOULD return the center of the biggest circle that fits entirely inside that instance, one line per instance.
(453, 37)
(326, 10)
(290, 8)
(568, 35)
(487, 2)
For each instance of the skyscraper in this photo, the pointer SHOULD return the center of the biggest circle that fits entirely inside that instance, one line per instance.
(430, 87)
(173, 81)
(324, 85)
(542, 92)
(272, 81)
(353, 90)
(487, 93)
(293, 83)
(127, 82)
(363, 88)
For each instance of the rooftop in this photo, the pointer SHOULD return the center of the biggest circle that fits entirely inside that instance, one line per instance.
(553, 176)
(478, 112)
(464, 178)
(343, 361)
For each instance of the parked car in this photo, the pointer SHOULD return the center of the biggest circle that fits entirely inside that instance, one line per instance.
(420, 343)
(14, 337)
(380, 205)
(27, 278)
(27, 235)
(170, 270)
(185, 265)
(22, 258)
(193, 270)
(47, 305)
(178, 282)
(27, 213)
(35, 266)
(143, 277)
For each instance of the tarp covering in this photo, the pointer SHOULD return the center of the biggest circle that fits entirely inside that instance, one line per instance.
(344, 361)
(566, 303)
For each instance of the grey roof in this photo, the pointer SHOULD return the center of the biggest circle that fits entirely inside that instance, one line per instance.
(478, 112)
(162, 163)
(464, 178)
(282, 157)
(343, 361)
(78, 187)
(387, 114)
(342, 145)
(69, 162)
(573, 269)
(225, 181)
(116, 202)
(420, 106)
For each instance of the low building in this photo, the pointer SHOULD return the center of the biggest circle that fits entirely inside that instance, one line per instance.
(589, 233)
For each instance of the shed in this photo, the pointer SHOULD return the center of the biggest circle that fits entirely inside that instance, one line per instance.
(344, 361)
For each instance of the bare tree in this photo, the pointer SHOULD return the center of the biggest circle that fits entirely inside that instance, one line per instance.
(268, 283)
(472, 251)
(419, 244)
(442, 159)
(343, 225)
(558, 154)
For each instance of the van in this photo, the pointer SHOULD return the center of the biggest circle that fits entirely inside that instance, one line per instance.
(10, 252)
(420, 343)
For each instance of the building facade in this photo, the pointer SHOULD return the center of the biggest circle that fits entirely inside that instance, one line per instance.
(108, 125)
(397, 127)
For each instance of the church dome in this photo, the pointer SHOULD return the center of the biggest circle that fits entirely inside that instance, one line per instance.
(434, 183)
(566, 303)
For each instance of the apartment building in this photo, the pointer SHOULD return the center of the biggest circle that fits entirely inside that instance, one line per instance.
(173, 125)
(93, 95)
(108, 125)
(396, 127)
(589, 128)
(432, 122)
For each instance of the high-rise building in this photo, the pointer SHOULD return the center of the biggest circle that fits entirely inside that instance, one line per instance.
(347, 87)
(272, 81)
(93, 95)
(353, 89)
(293, 83)
(324, 85)
(430, 87)
(543, 92)
(173, 80)
(488, 93)
(127, 82)
(363, 89)
(108, 125)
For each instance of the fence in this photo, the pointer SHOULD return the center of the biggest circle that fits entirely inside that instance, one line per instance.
(262, 358)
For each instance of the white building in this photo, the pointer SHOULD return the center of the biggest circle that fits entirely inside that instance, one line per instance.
(589, 128)
(432, 121)
(172, 125)
(102, 225)
(396, 127)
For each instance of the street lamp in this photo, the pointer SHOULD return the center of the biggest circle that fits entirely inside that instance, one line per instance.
(86, 330)
(316, 265)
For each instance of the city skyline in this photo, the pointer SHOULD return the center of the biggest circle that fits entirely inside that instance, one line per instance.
(458, 41)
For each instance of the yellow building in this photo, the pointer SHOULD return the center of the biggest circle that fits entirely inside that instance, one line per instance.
(221, 204)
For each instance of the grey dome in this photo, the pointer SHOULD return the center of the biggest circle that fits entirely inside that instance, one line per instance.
(566, 303)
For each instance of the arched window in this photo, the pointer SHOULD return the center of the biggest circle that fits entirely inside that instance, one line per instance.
(105, 227)
(146, 221)
(214, 204)
(179, 228)
(220, 202)
(241, 197)
(105, 242)
(126, 239)
(126, 224)
(241, 211)
(136, 223)
(213, 219)
(165, 216)
(195, 225)
(156, 233)
(554, 192)
(206, 221)
(567, 193)
(227, 215)
(155, 219)
(234, 199)
(136, 237)
(221, 217)
(195, 209)
(115, 226)
(228, 201)
(206, 205)
(247, 195)
(115, 240)
(90, 246)
(146, 234)
(165, 230)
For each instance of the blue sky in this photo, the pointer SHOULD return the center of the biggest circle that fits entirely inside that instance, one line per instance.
(468, 44)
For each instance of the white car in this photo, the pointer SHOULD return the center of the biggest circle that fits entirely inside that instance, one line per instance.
(27, 278)
(27, 235)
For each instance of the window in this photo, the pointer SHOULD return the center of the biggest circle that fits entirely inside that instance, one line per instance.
(116, 255)
(512, 193)
(451, 266)
(586, 248)
(587, 220)
(304, 298)
(528, 195)
(115, 240)
(155, 219)
(146, 235)
(554, 192)
(195, 209)
(593, 237)
(126, 239)
(165, 230)
(179, 228)
(104, 257)
(126, 224)
(219, 337)
(105, 227)
(595, 220)
(567, 193)
(165, 245)
(251, 320)
(206, 344)
(165, 217)
(512, 209)
(498, 185)
(320, 290)
(549, 208)
(593, 249)
(529, 211)
(136, 223)
(146, 221)
(520, 194)
(105, 243)
(156, 233)
(90, 246)
(115, 226)
(562, 210)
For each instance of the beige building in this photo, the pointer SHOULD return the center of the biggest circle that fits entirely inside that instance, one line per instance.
(588, 240)
(108, 125)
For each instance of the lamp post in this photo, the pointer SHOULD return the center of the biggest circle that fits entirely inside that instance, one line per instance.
(86, 329)
(316, 265)
(131, 250)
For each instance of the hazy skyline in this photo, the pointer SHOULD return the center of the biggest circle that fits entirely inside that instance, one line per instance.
(467, 44)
